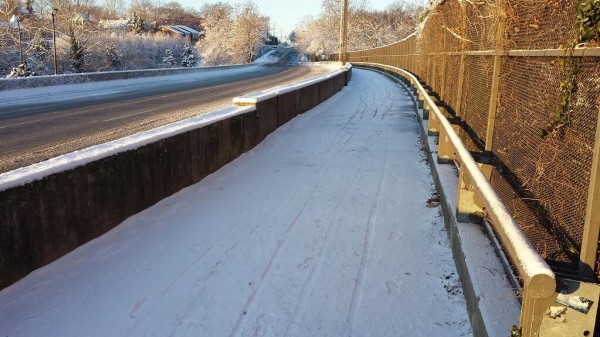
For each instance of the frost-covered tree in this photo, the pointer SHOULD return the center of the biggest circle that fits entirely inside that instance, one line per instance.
(216, 47)
(143, 8)
(232, 34)
(77, 53)
(137, 25)
(34, 36)
(189, 58)
(75, 34)
(366, 28)
(292, 37)
(168, 59)
(113, 58)
(41, 59)
(249, 32)
(113, 8)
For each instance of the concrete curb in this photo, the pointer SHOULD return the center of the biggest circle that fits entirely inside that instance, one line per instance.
(491, 301)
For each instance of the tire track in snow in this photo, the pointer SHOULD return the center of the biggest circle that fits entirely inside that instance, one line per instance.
(193, 304)
(242, 318)
(368, 242)
(251, 299)
(294, 324)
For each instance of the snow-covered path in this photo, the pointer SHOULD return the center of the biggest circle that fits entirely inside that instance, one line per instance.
(321, 230)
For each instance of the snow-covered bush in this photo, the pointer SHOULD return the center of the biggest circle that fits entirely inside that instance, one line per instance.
(113, 58)
(169, 60)
(132, 52)
(22, 70)
(189, 58)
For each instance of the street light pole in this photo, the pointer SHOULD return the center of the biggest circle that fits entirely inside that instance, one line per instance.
(344, 32)
(54, 40)
(20, 45)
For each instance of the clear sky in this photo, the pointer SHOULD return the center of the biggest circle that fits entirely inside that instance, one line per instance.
(286, 14)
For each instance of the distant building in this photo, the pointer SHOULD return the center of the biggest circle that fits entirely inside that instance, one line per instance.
(180, 31)
(118, 25)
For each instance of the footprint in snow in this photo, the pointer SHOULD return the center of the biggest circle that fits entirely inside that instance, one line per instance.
(306, 264)
(392, 287)
(264, 325)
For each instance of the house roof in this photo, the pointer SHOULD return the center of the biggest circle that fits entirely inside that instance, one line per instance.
(182, 30)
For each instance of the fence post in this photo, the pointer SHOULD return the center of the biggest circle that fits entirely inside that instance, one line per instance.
(591, 229)
(461, 71)
(489, 137)
(446, 151)
(469, 207)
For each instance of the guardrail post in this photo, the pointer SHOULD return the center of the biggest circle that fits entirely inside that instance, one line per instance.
(446, 152)
(591, 229)
(535, 310)
(469, 207)
(433, 125)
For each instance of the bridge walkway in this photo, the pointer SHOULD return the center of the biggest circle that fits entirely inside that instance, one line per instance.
(324, 229)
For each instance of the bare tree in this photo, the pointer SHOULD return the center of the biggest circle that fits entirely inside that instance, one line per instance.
(76, 26)
(113, 8)
(367, 28)
(143, 8)
(232, 34)
(249, 32)
(33, 36)
(216, 46)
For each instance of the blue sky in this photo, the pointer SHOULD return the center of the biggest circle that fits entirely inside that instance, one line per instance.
(286, 14)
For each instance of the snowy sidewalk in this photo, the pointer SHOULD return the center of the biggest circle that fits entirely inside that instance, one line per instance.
(321, 230)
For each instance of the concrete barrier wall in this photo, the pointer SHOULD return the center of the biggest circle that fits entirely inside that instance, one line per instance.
(44, 81)
(43, 219)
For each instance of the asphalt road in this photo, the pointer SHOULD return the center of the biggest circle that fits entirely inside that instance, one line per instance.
(64, 121)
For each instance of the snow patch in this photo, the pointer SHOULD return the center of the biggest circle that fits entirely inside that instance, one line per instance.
(267, 58)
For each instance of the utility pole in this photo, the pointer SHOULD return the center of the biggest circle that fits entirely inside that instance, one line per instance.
(344, 33)
(54, 10)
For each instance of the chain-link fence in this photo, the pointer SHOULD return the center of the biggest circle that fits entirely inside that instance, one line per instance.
(526, 86)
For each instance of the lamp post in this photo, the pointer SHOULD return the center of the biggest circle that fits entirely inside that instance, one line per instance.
(15, 22)
(54, 10)
(344, 32)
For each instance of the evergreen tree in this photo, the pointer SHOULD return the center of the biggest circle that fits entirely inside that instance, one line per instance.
(137, 26)
(113, 57)
(169, 60)
(189, 58)
(40, 57)
(77, 54)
